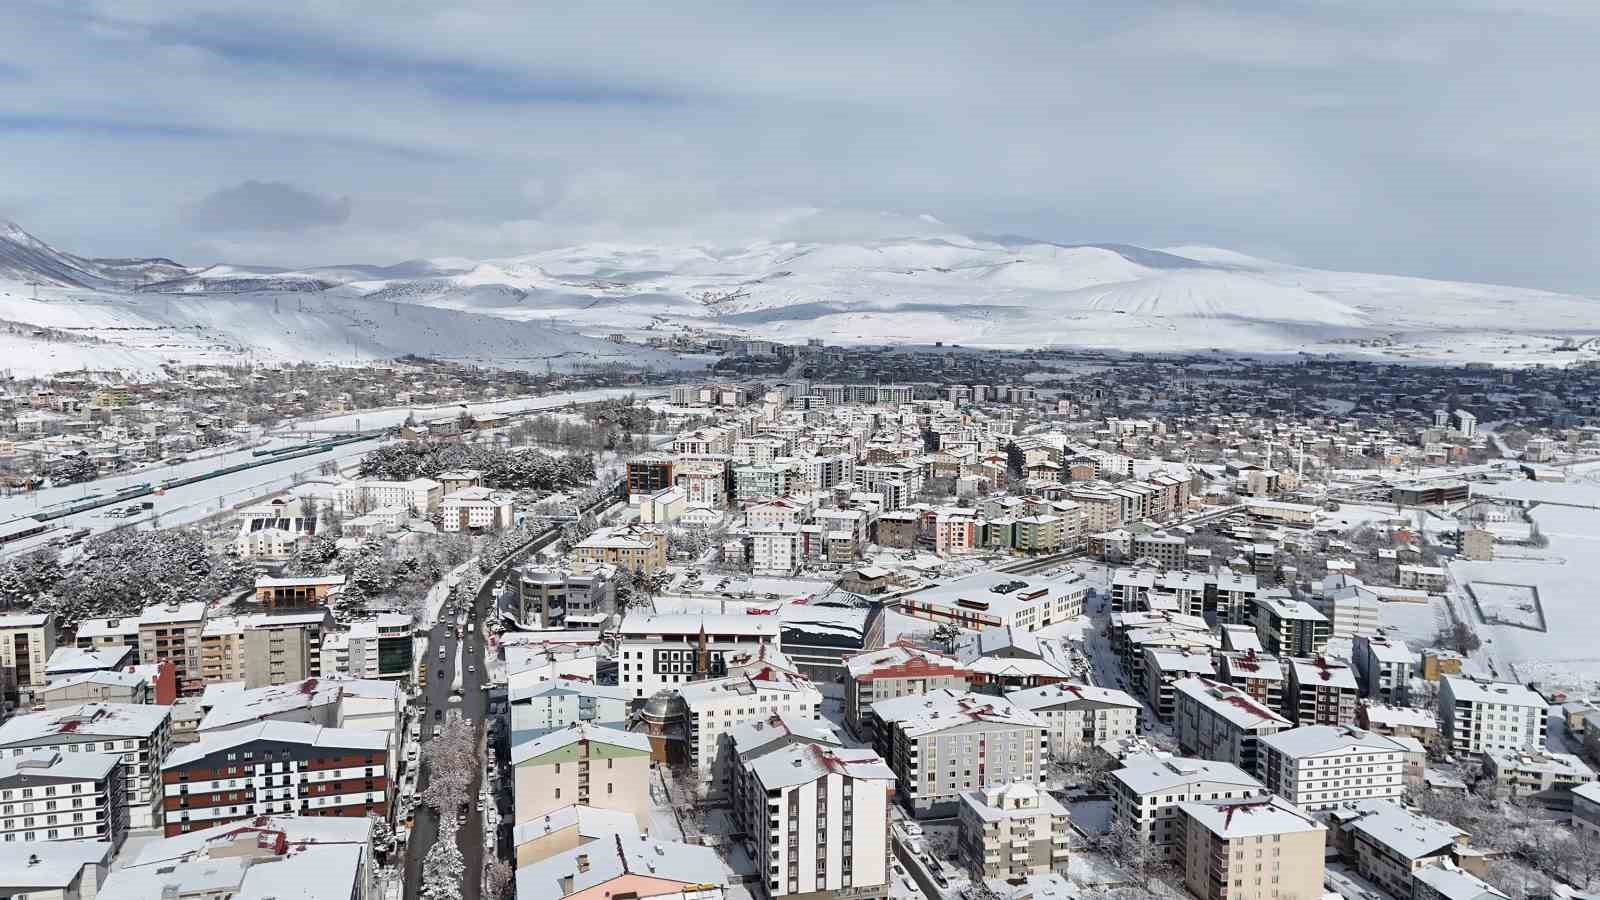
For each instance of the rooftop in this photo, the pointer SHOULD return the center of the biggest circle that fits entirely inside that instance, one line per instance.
(805, 762)
(85, 721)
(606, 860)
(319, 736)
(1248, 818)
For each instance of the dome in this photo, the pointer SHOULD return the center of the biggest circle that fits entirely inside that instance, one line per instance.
(662, 705)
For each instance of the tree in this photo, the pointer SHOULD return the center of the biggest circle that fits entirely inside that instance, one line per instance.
(499, 880)
(946, 636)
(73, 469)
(444, 868)
(383, 839)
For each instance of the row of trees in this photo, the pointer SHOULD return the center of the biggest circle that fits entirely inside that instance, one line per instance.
(514, 470)
(120, 573)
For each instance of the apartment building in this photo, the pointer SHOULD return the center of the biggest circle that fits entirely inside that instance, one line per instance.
(1544, 777)
(139, 734)
(776, 550)
(275, 530)
(1013, 831)
(109, 633)
(1386, 666)
(1445, 881)
(1145, 795)
(275, 767)
(1222, 723)
(999, 599)
(1323, 766)
(718, 706)
(1389, 844)
(1412, 722)
(946, 743)
(585, 764)
(26, 642)
(900, 670)
(1320, 692)
(48, 795)
(636, 548)
(626, 865)
(1164, 667)
(1476, 716)
(173, 632)
(1256, 674)
(378, 648)
(419, 496)
(62, 870)
(817, 818)
(96, 687)
(1586, 810)
(1080, 716)
(666, 651)
(955, 531)
(546, 706)
(1264, 849)
(1291, 627)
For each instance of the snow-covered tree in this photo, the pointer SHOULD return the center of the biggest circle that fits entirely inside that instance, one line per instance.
(444, 869)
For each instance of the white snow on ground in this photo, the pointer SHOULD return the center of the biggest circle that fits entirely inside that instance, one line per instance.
(1565, 573)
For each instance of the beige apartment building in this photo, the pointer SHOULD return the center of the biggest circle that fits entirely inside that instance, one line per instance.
(588, 765)
(26, 642)
(174, 632)
(637, 548)
(895, 671)
(1013, 830)
(1261, 849)
(1145, 796)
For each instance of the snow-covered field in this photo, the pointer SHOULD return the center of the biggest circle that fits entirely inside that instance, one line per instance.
(1564, 573)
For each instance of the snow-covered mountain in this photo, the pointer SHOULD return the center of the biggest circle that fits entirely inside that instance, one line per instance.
(976, 291)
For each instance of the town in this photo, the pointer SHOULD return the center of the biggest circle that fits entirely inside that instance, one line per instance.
(818, 622)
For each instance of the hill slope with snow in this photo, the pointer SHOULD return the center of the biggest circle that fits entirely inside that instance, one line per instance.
(994, 292)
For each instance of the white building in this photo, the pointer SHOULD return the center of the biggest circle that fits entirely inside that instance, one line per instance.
(818, 816)
(1323, 766)
(776, 550)
(1476, 715)
(1386, 666)
(47, 795)
(547, 705)
(946, 742)
(718, 706)
(1222, 723)
(475, 509)
(1145, 796)
(668, 651)
(140, 734)
(1000, 599)
(419, 495)
(1080, 715)
(1013, 830)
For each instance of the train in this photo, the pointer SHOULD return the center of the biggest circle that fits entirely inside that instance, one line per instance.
(144, 489)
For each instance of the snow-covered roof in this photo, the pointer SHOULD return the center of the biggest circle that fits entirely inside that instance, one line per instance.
(591, 821)
(1017, 800)
(751, 737)
(1166, 774)
(1235, 706)
(1391, 825)
(1329, 740)
(1063, 695)
(295, 829)
(47, 865)
(55, 764)
(280, 732)
(1473, 690)
(862, 665)
(1322, 673)
(602, 861)
(581, 733)
(1382, 714)
(1453, 883)
(806, 762)
(930, 713)
(642, 625)
(70, 724)
(1247, 818)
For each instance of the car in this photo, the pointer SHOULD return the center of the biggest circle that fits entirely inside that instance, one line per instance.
(472, 668)
(480, 804)
(441, 673)
(438, 714)
(437, 730)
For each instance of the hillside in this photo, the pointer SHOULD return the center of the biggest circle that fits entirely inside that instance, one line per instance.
(993, 292)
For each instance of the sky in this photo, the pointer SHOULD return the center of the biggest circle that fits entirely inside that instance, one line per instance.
(1442, 138)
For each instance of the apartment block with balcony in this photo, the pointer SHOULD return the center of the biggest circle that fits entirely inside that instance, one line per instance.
(945, 743)
(1542, 777)
(1013, 831)
(1291, 627)
(1080, 715)
(1221, 722)
(139, 734)
(26, 642)
(173, 632)
(896, 671)
(1477, 715)
(48, 795)
(1388, 844)
(1145, 796)
(1320, 692)
(1262, 849)
(275, 768)
(1323, 766)
(1386, 666)
(585, 764)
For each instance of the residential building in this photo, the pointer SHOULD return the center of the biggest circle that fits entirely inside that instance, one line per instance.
(1145, 795)
(1322, 766)
(946, 743)
(1259, 849)
(110, 633)
(475, 509)
(899, 670)
(1013, 831)
(718, 706)
(26, 642)
(1411, 722)
(1478, 715)
(1386, 666)
(1080, 716)
(776, 550)
(567, 828)
(1256, 674)
(1586, 810)
(140, 734)
(48, 795)
(1389, 844)
(1291, 627)
(59, 870)
(1444, 880)
(378, 648)
(584, 764)
(625, 865)
(818, 817)
(242, 773)
(1222, 723)
(1163, 668)
(542, 707)
(96, 687)
(1544, 777)
(636, 548)
(1320, 692)
(309, 857)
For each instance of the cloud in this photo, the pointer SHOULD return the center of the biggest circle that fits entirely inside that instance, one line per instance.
(1356, 134)
(266, 206)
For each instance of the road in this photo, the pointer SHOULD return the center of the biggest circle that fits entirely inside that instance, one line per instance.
(472, 702)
